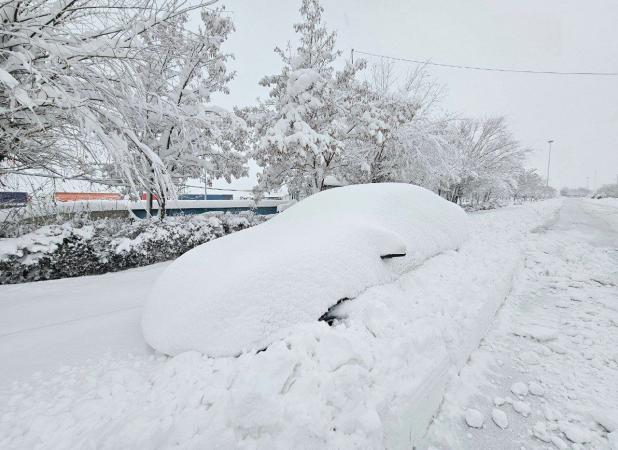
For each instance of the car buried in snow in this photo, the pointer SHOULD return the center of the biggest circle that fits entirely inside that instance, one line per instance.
(243, 291)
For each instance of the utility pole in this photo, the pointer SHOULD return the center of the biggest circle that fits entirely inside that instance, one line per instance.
(551, 141)
(352, 56)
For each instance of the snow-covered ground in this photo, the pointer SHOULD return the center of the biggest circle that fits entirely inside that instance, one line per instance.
(374, 379)
(546, 376)
(49, 324)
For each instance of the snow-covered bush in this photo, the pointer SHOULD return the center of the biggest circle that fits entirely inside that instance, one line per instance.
(576, 192)
(80, 247)
(607, 190)
(487, 205)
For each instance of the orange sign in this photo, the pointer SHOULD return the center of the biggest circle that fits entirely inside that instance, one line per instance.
(73, 196)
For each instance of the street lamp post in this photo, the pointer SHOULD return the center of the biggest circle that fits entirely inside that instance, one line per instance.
(549, 160)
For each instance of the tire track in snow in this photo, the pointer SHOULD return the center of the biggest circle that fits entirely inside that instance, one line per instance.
(66, 322)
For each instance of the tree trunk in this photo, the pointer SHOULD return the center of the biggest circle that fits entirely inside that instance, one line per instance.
(162, 208)
(149, 203)
(150, 189)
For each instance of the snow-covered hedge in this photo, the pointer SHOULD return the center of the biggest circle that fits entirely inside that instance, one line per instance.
(607, 191)
(484, 206)
(81, 247)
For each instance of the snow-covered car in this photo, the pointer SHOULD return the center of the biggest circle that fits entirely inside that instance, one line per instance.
(244, 290)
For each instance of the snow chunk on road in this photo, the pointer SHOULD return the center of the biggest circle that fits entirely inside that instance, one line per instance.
(519, 389)
(529, 357)
(242, 291)
(536, 389)
(607, 419)
(575, 433)
(499, 417)
(539, 431)
(522, 408)
(559, 443)
(474, 418)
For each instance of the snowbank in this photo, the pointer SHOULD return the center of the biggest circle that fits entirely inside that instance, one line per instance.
(290, 270)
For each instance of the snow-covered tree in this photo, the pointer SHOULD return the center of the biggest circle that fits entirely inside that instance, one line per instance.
(303, 125)
(76, 103)
(483, 160)
(395, 132)
(607, 190)
(178, 72)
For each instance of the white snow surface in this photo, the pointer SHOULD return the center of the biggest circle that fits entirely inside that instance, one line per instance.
(293, 268)
(373, 380)
(556, 337)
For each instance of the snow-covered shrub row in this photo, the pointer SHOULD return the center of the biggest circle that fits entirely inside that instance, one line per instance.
(484, 206)
(607, 191)
(83, 247)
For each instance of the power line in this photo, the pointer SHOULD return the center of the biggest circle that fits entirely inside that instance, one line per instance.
(487, 69)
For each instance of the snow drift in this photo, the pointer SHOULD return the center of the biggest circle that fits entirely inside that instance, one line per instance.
(242, 291)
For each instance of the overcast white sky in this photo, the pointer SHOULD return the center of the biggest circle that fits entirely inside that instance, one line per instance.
(579, 113)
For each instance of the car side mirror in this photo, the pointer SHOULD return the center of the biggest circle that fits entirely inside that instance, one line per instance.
(392, 255)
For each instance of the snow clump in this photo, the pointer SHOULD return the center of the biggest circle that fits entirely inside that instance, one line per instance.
(474, 418)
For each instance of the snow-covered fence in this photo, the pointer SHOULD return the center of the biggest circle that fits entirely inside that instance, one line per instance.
(189, 207)
(173, 207)
(78, 247)
(17, 221)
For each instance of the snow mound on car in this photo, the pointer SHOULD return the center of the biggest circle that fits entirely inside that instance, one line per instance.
(244, 290)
